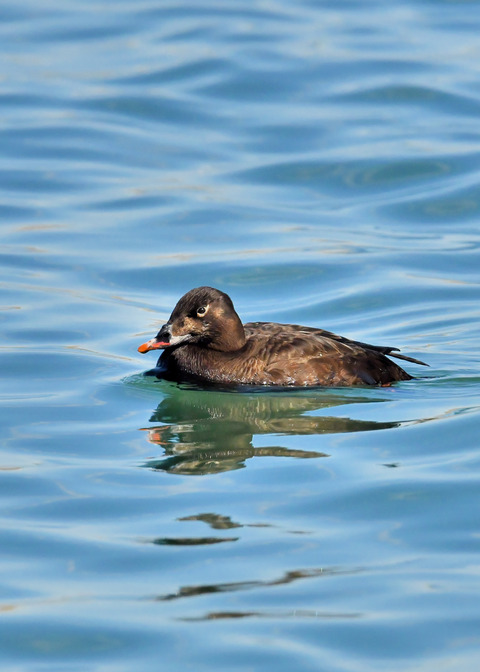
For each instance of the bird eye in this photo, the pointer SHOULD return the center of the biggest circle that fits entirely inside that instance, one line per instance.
(202, 311)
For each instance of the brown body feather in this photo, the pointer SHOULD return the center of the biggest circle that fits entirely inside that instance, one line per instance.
(214, 346)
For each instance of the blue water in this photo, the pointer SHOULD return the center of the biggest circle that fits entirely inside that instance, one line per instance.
(320, 162)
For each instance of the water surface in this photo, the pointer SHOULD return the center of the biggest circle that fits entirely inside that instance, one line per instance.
(319, 162)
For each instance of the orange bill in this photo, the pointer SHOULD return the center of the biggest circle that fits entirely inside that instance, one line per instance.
(152, 344)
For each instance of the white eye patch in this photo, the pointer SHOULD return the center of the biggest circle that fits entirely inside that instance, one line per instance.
(203, 310)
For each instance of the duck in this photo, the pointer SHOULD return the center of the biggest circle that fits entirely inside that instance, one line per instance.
(205, 341)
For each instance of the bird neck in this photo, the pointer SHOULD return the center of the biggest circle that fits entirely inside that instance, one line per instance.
(232, 336)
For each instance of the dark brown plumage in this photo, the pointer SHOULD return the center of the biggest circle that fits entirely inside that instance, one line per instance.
(205, 340)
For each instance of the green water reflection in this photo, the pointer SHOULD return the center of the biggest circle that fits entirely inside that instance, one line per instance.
(208, 432)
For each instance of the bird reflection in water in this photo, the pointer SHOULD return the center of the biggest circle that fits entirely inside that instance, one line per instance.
(287, 578)
(205, 431)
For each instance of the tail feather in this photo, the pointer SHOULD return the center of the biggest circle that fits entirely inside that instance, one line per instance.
(391, 352)
(407, 359)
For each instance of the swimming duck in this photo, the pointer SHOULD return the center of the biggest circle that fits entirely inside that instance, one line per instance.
(205, 340)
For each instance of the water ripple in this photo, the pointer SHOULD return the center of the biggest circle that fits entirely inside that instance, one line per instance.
(318, 161)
